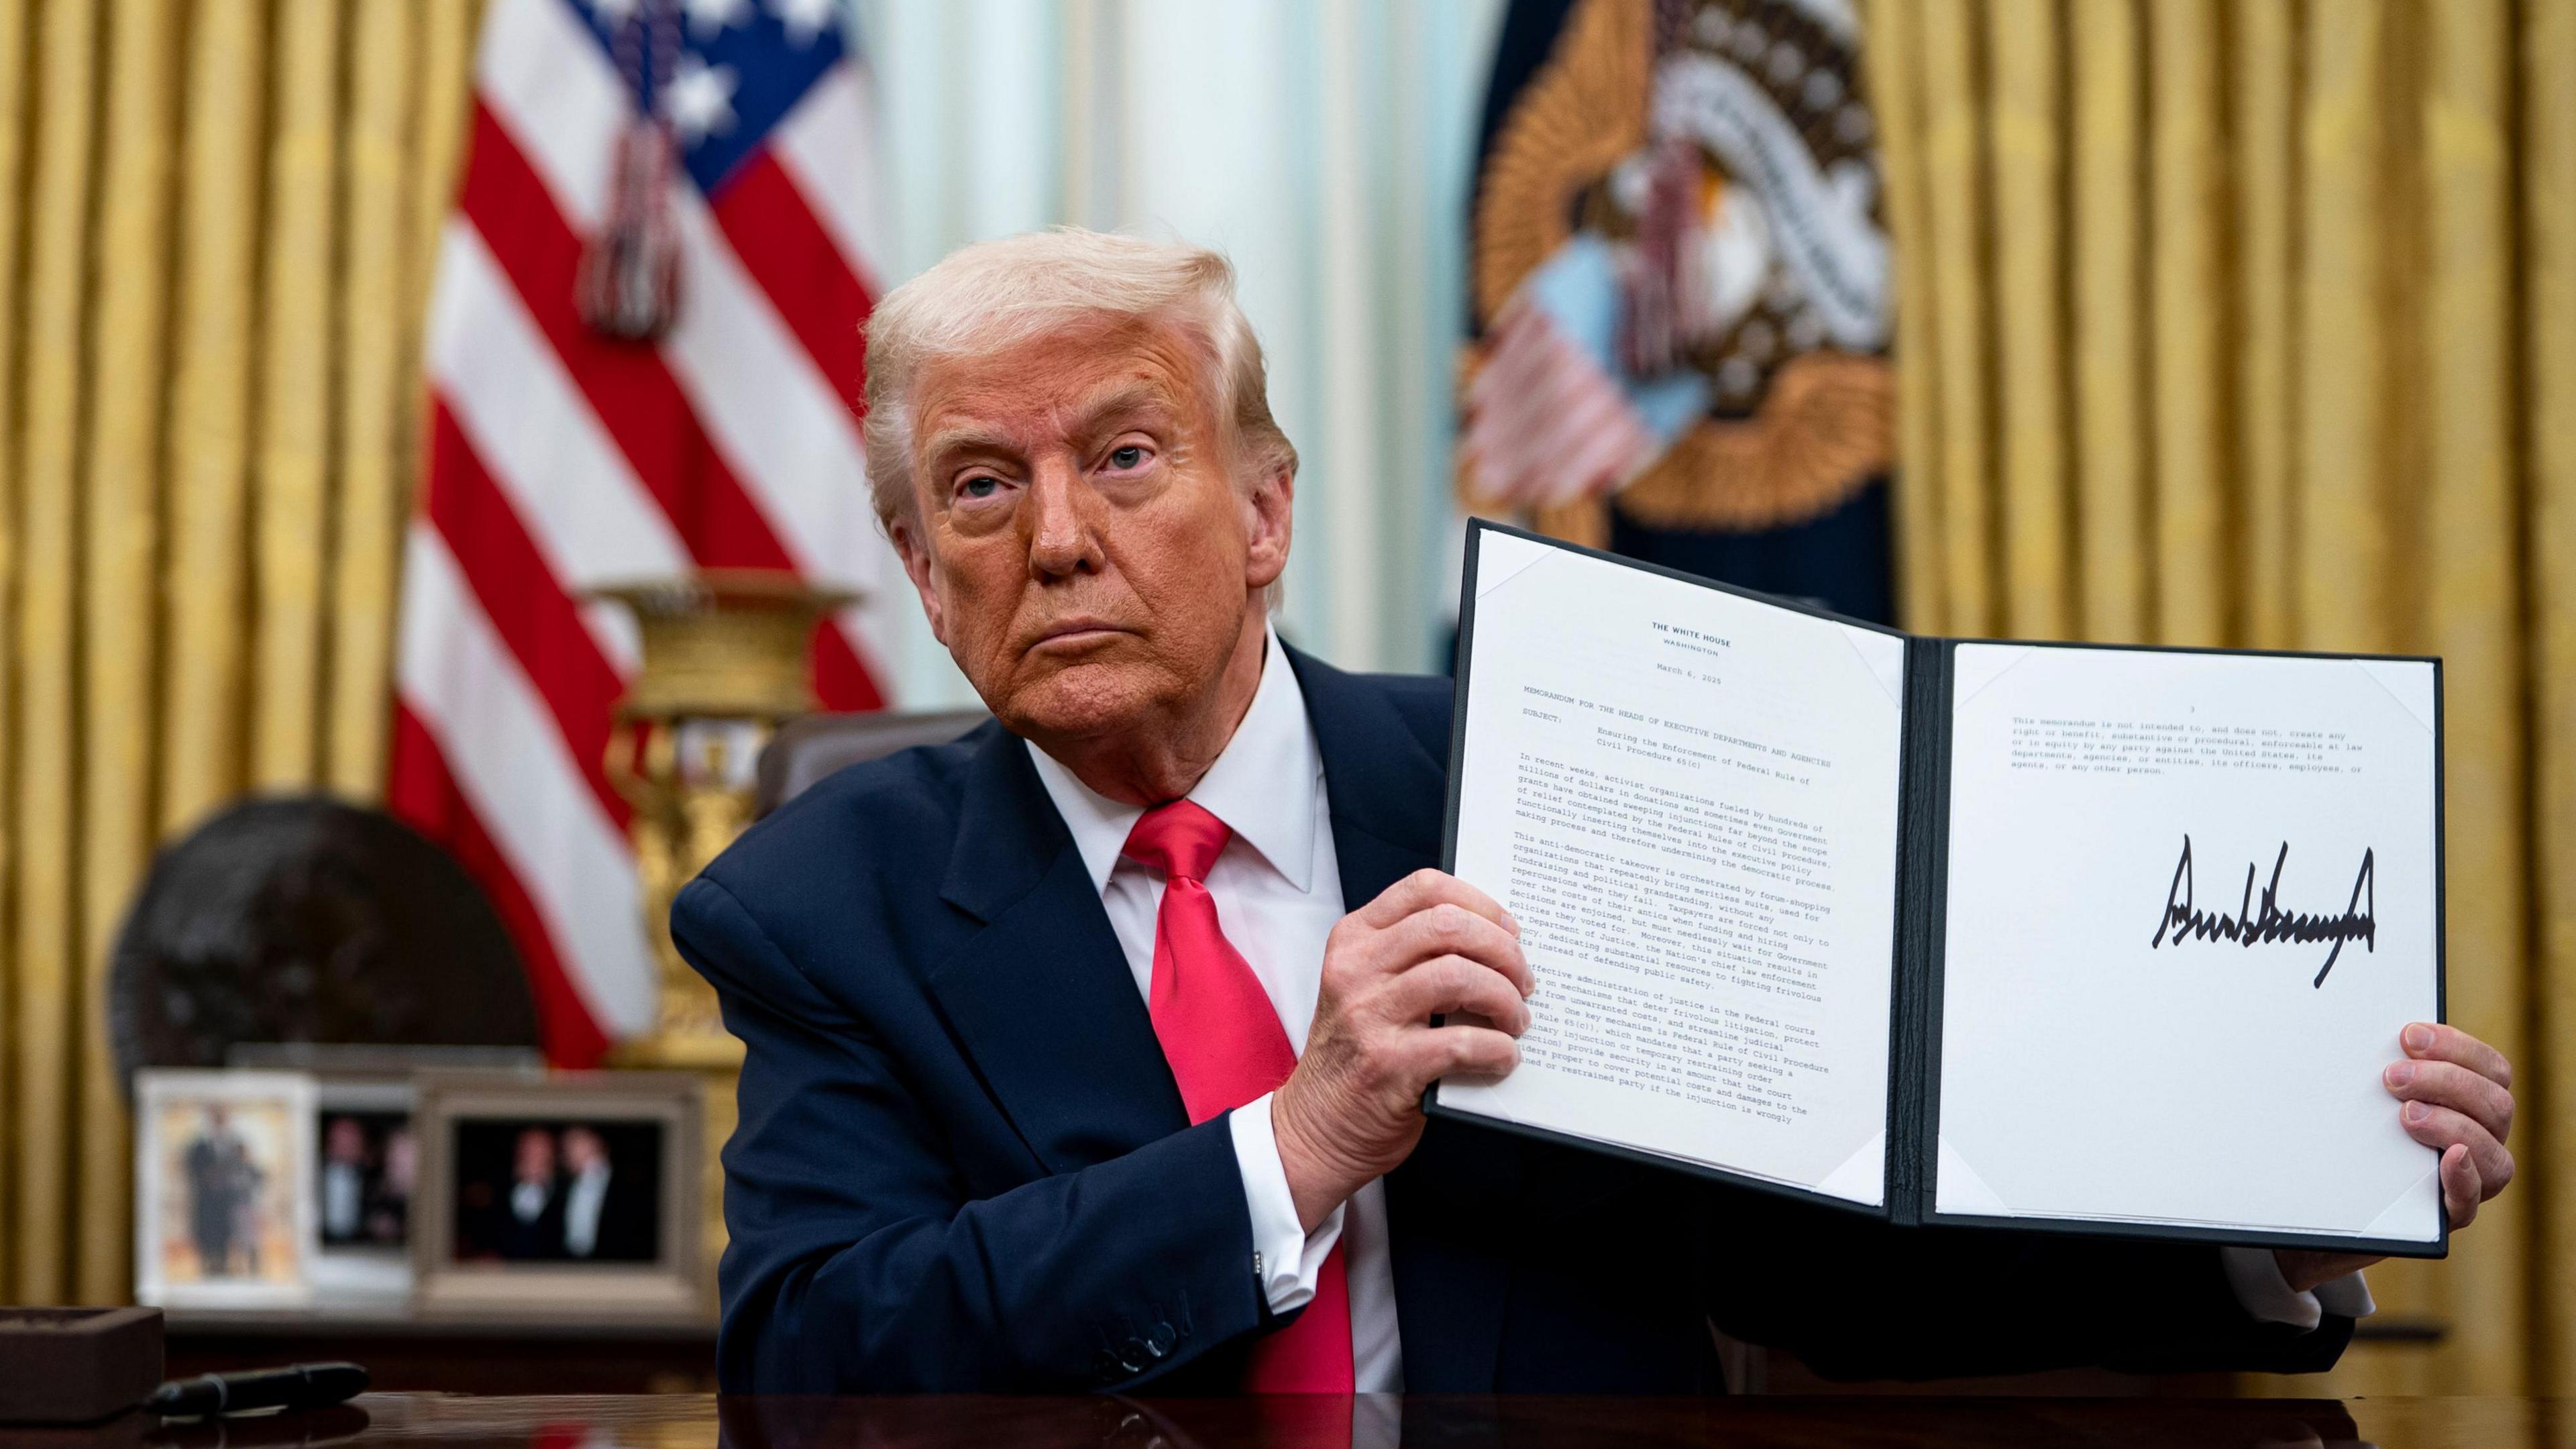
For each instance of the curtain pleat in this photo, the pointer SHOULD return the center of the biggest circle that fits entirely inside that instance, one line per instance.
(2187, 215)
(46, 975)
(2548, 305)
(127, 339)
(2317, 299)
(13, 150)
(2024, 101)
(1954, 181)
(216, 237)
(207, 578)
(1894, 70)
(2472, 583)
(291, 496)
(373, 346)
(2107, 298)
(2345, 558)
(2263, 74)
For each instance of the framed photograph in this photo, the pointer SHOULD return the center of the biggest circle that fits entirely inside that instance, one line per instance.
(366, 1162)
(571, 1197)
(221, 1217)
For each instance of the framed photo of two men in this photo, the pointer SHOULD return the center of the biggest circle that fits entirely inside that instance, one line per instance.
(575, 1194)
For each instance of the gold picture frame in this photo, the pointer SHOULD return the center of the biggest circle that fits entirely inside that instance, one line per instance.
(221, 1216)
(509, 1222)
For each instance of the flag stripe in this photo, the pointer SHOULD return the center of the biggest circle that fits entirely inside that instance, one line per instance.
(785, 251)
(762, 398)
(828, 146)
(423, 791)
(514, 769)
(537, 620)
(512, 399)
(541, 70)
(630, 388)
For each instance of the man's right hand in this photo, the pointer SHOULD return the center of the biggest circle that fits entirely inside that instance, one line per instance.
(1352, 1110)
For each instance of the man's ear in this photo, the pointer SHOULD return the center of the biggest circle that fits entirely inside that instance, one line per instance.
(1271, 512)
(905, 534)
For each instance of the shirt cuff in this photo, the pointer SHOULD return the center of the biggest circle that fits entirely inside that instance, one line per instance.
(1287, 1258)
(2255, 1275)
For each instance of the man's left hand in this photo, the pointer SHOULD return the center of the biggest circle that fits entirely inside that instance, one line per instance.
(2458, 1093)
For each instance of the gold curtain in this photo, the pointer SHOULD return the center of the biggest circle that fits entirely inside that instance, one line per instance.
(2253, 322)
(217, 224)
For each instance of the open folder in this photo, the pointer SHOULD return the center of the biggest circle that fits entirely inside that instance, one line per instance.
(2082, 938)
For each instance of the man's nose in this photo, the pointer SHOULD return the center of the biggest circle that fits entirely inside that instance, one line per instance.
(1064, 536)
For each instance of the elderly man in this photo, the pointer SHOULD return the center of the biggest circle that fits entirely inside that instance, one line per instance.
(1086, 1051)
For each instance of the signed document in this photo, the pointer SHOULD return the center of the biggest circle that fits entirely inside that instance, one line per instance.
(2094, 939)
(2217, 870)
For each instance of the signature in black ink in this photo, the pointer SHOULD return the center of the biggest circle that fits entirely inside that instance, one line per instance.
(2257, 922)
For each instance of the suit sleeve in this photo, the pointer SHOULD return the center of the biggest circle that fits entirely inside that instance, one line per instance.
(857, 1260)
(1861, 1300)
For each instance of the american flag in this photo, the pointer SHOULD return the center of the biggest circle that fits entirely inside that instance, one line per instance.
(560, 458)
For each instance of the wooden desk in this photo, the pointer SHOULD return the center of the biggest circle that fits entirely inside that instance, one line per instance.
(429, 1421)
(484, 1358)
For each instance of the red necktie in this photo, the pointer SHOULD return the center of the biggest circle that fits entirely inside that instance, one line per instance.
(1223, 1040)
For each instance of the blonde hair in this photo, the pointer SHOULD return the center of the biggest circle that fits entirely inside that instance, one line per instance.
(997, 294)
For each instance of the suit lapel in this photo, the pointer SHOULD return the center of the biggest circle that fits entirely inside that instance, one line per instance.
(1387, 794)
(1040, 996)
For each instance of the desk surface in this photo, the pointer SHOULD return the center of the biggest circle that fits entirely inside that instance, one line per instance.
(680, 1421)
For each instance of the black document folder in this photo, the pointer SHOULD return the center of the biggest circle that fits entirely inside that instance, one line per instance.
(2083, 938)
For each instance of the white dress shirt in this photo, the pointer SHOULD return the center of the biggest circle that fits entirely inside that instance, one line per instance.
(343, 1199)
(1278, 892)
(581, 1209)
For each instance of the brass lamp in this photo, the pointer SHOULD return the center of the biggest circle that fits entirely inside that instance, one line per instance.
(724, 665)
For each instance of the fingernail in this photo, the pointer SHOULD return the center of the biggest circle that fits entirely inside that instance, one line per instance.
(2418, 1038)
(1511, 923)
(2400, 1073)
(2417, 1113)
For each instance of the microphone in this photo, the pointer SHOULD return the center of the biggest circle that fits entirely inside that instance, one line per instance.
(298, 1386)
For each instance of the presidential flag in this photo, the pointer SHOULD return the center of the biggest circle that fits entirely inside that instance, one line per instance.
(645, 357)
(1681, 292)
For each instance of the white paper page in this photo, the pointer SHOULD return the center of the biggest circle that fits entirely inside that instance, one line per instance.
(2114, 1047)
(1689, 800)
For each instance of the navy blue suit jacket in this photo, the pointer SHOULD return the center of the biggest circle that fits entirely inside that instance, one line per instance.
(961, 1163)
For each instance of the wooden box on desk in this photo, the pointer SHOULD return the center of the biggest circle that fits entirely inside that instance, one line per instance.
(76, 1365)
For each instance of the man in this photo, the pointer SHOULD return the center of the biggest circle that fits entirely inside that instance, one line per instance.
(221, 1181)
(1087, 1050)
(607, 1218)
(531, 1216)
(344, 1180)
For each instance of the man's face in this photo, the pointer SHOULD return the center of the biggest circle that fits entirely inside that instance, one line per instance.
(582, 1149)
(1081, 540)
(535, 1157)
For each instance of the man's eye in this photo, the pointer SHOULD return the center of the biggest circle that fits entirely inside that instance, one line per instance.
(1130, 456)
(982, 485)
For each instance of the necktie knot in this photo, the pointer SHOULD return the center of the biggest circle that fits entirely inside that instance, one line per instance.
(1180, 839)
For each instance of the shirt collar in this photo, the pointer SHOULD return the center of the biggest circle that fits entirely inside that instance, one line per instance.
(1263, 785)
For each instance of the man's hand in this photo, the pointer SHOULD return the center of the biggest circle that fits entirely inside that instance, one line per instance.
(2458, 1093)
(1352, 1109)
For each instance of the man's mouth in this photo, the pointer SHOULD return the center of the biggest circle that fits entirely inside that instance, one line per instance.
(1070, 635)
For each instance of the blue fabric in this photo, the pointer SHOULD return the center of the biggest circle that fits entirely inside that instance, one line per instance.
(961, 1163)
(766, 65)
